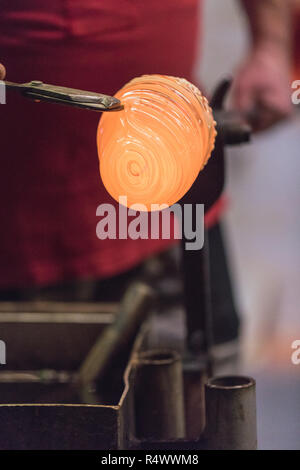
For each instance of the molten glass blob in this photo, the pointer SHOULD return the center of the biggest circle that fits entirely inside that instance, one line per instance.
(152, 151)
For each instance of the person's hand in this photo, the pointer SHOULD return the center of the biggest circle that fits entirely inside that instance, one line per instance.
(2, 72)
(262, 87)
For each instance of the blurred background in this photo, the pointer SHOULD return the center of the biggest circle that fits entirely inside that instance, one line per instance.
(261, 228)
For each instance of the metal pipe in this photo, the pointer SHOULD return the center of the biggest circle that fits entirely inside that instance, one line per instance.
(231, 413)
(197, 297)
(159, 404)
(194, 381)
(133, 309)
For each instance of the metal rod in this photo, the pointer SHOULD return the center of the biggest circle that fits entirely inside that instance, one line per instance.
(197, 293)
(134, 307)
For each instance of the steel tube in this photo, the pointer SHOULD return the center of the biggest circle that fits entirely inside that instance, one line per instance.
(159, 404)
(231, 413)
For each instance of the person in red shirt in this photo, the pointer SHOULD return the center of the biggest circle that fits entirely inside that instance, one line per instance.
(49, 179)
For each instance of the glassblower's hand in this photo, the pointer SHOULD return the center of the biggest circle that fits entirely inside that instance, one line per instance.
(2, 72)
(262, 87)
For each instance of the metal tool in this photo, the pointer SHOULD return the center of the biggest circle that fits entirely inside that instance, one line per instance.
(233, 127)
(40, 91)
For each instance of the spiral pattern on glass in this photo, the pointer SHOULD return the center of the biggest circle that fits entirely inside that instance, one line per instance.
(153, 150)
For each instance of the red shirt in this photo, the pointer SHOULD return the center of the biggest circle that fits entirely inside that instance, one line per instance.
(49, 179)
(296, 42)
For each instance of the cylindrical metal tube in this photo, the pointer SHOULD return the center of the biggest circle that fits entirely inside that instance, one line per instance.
(159, 404)
(231, 413)
(133, 309)
(194, 381)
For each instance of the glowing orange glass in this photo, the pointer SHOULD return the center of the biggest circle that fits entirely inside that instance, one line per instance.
(152, 151)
